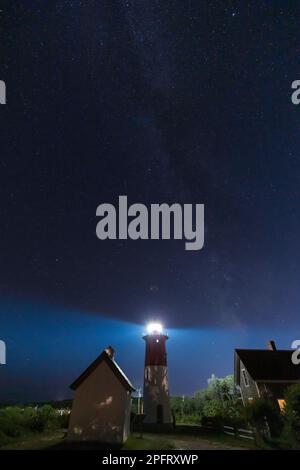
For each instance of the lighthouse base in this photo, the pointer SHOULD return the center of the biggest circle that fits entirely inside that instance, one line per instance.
(157, 408)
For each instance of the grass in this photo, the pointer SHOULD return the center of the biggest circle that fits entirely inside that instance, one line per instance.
(188, 429)
(172, 441)
(35, 441)
(149, 441)
(48, 440)
(228, 440)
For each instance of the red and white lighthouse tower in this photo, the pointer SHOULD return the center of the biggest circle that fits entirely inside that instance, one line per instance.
(156, 384)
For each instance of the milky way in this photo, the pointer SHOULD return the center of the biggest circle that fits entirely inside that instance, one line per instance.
(162, 101)
(183, 102)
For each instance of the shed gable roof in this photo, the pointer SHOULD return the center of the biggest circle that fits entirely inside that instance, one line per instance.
(116, 369)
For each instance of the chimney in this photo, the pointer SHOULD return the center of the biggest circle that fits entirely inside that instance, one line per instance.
(271, 345)
(110, 351)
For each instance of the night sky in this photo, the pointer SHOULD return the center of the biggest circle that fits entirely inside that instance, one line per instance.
(163, 101)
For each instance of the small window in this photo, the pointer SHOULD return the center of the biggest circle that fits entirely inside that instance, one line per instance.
(245, 377)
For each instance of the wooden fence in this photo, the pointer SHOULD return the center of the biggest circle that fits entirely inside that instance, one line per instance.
(241, 433)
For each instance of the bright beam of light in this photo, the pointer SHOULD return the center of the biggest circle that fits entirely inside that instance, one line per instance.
(153, 328)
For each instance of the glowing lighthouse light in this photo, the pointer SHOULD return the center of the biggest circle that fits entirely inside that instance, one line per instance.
(154, 328)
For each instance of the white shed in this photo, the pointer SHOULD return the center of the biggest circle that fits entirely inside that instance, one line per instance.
(102, 402)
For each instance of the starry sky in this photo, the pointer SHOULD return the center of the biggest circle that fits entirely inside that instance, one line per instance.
(164, 101)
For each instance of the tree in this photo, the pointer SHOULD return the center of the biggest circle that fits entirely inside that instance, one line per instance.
(213, 408)
(224, 397)
(219, 400)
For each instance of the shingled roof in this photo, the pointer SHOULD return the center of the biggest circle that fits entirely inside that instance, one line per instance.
(104, 356)
(265, 365)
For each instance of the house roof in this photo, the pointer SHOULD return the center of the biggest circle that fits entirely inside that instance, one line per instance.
(266, 365)
(104, 356)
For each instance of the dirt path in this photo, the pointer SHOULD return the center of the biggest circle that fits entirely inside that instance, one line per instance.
(202, 444)
(183, 442)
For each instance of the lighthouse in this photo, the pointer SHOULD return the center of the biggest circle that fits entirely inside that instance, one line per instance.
(157, 408)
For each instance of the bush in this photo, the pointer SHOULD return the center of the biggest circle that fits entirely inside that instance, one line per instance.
(47, 418)
(16, 421)
(188, 419)
(63, 421)
(212, 408)
(12, 421)
(219, 400)
(291, 416)
(4, 439)
(265, 416)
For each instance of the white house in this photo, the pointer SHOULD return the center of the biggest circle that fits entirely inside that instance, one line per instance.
(101, 406)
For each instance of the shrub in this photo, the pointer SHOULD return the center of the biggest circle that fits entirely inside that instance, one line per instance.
(12, 421)
(219, 400)
(212, 408)
(4, 439)
(265, 416)
(16, 422)
(46, 418)
(291, 416)
(188, 419)
(63, 421)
